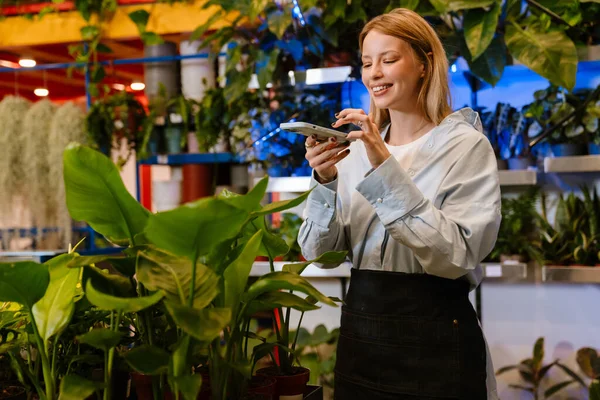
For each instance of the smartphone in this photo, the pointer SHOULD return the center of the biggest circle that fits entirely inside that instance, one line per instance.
(308, 129)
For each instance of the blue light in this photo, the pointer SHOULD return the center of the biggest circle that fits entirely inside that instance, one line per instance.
(297, 12)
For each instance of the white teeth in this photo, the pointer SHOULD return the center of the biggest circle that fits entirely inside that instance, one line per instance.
(380, 88)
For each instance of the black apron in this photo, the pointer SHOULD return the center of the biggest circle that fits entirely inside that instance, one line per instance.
(409, 336)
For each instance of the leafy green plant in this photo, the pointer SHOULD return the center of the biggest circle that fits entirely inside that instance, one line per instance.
(116, 118)
(532, 371)
(589, 363)
(518, 229)
(288, 230)
(317, 352)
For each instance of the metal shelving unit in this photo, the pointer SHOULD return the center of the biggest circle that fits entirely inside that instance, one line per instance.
(517, 177)
(508, 271)
(560, 274)
(572, 164)
(190, 158)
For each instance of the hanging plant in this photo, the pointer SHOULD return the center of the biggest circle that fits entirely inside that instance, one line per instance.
(68, 125)
(12, 113)
(36, 132)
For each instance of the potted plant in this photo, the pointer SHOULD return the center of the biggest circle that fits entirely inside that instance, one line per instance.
(589, 363)
(317, 352)
(532, 371)
(518, 229)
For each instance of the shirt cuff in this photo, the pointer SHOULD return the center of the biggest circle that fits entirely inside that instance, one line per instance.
(321, 202)
(391, 191)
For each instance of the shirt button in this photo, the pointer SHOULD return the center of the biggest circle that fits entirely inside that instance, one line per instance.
(430, 145)
(380, 200)
(411, 172)
(326, 205)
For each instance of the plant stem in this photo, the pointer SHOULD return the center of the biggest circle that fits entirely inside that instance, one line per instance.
(47, 371)
(54, 357)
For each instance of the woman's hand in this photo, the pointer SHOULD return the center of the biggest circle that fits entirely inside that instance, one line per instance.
(369, 134)
(322, 157)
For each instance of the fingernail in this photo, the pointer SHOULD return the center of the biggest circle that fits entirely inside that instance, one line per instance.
(333, 124)
(314, 137)
(337, 115)
(332, 139)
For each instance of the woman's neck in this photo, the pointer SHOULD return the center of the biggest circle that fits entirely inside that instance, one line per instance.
(406, 127)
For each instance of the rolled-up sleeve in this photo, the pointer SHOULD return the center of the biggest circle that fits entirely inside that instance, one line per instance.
(452, 240)
(323, 226)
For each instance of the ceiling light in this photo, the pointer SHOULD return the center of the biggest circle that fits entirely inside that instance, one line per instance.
(27, 62)
(137, 86)
(8, 64)
(118, 86)
(41, 92)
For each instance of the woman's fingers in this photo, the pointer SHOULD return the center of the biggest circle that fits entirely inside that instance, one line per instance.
(335, 159)
(346, 111)
(321, 156)
(359, 119)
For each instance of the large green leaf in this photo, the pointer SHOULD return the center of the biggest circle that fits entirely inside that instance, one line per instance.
(74, 387)
(147, 359)
(54, 311)
(275, 281)
(23, 282)
(444, 6)
(282, 205)
(124, 304)
(96, 194)
(272, 300)
(330, 257)
(101, 339)
(108, 283)
(189, 385)
(272, 244)
(490, 65)
(250, 201)
(159, 270)
(204, 325)
(195, 228)
(550, 54)
(236, 274)
(586, 359)
(480, 28)
(279, 21)
(82, 261)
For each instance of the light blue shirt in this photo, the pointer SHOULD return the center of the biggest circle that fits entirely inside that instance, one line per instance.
(440, 216)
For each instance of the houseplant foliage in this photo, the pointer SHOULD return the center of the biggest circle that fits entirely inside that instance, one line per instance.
(518, 230)
(193, 263)
(532, 371)
(589, 363)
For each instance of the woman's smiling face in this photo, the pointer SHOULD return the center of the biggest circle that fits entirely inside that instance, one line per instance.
(391, 72)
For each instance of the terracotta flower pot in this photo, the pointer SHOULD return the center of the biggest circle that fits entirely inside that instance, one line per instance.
(261, 387)
(290, 386)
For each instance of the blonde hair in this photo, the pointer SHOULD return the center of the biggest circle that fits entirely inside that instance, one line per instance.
(434, 94)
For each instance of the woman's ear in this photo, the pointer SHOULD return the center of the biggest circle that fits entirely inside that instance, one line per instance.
(429, 60)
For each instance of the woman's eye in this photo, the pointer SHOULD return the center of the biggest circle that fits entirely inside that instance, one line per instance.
(366, 65)
(389, 61)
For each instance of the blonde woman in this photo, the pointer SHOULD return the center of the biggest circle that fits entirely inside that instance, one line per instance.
(415, 200)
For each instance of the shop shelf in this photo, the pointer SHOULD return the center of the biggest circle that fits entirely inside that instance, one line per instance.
(508, 271)
(343, 271)
(572, 164)
(190, 158)
(570, 274)
(292, 184)
(517, 177)
(36, 256)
